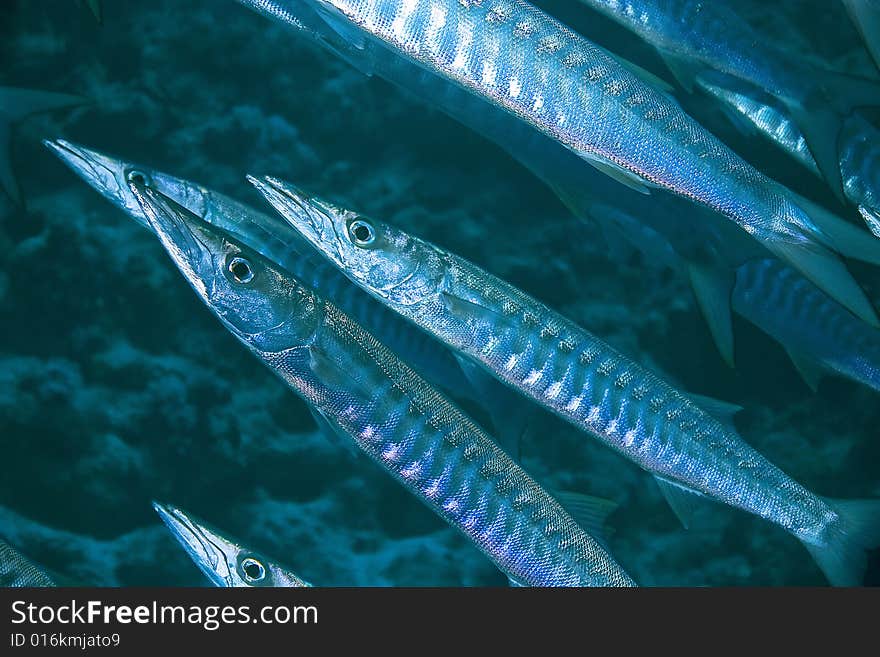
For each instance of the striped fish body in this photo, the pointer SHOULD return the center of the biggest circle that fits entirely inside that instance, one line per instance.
(860, 168)
(520, 60)
(586, 382)
(443, 458)
(759, 111)
(806, 321)
(710, 34)
(365, 392)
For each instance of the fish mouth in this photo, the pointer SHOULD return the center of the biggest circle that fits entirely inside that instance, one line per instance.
(300, 211)
(202, 545)
(106, 174)
(184, 236)
(95, 168)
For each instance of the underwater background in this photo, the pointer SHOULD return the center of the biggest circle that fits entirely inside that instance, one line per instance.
(118, 387)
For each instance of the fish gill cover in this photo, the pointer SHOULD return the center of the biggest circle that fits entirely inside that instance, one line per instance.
(117, 387)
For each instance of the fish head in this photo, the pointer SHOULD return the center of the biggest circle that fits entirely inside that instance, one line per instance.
(224, 561)
(260, 303)
(401, 270)
(112, 177)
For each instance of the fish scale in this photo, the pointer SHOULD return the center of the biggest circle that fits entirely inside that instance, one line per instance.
(771, 294)
(577, 376)
(515, 59)
(550, 65)
(626, 406)
(367, 393)
(462, 455)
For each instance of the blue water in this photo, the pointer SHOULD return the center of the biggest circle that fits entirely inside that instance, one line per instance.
(118, 387)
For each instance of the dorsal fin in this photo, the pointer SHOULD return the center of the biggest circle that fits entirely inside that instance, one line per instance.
(590, 512)
(683, 500)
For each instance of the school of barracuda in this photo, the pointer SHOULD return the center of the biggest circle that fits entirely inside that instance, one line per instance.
(388, 338)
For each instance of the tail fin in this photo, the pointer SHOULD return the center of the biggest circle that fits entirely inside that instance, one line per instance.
(821, 115)
(843, 558)
(827, 272)
(846, 238)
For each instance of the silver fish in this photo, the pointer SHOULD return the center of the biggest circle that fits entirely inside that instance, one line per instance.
(820, 335)
(698, 38)
(753, 110)
(366, 393)
(276, 240)
(577, 376)
(518, 59)
(860, 168)
(16, 570)
(224, 561)
(273, 239)
(858, 144)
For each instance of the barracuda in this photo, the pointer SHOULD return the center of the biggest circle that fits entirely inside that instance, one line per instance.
(224, 561)
(16, 570)
(275, 240)
(752, 110)
(574, 374)
(818, 333)
(369, 395)
(519, 60)
(857, 144)
(699, 39)
(860, 168)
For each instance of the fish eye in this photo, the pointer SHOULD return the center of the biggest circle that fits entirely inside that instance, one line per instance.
(252, 569)
(241, 270)
(137, 177)
(361, 232)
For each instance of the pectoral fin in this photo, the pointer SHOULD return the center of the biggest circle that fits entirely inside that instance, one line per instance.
(618, 173)
(334, 375)
(465, 309)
